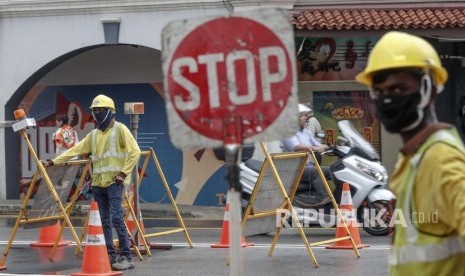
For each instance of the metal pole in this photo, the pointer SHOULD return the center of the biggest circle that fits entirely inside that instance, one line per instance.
(233, 157)
(134, 177)
(232, 127)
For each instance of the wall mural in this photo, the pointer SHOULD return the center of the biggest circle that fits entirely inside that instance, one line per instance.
(339, 59)
(331, 59)
(195, 177)
(356, 106)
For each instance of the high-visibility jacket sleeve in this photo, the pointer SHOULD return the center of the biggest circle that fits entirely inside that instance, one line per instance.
(82, 147)
(453, 191)
(130, 145)
(441, 190)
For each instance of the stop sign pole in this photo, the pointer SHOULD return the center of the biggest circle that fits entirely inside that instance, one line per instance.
(233, 151)
(228, 81)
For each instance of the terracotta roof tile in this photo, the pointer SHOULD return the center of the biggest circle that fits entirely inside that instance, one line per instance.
(379, 19)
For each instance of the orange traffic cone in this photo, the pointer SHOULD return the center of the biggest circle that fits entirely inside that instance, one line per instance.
(224, 239)
(131, 224)
(351, 221)
(95, 261)
(48, 236)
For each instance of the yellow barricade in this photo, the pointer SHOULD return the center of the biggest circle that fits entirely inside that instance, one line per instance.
(265, 205)
(53, 210)
(146, 156)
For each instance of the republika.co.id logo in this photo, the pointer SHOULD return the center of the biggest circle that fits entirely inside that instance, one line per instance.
(375, 218)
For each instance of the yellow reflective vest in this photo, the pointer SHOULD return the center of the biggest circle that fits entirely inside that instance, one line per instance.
(113, 151)
(429, 239)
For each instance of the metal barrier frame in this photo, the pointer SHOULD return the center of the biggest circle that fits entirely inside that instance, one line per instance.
(151, 153)
(128, 203)
(288, 198)
(65, 211)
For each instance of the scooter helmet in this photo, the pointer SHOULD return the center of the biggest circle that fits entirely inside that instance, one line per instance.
(303, 109)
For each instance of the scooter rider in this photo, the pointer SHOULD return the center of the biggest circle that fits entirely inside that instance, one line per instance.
(304, 140)
(312, 123)
(405, 75)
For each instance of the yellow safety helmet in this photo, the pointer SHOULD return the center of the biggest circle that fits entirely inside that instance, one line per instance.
(103, 101)
(401, 50)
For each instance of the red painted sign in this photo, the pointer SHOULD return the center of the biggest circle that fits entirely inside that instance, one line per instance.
(228, 69)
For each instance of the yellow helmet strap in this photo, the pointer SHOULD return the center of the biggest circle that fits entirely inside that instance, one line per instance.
(425, 90)
(425, 93)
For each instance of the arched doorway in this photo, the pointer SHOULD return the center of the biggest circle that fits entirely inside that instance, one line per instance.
(127, 73)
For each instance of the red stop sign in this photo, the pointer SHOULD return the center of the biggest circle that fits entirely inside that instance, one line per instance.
(229, 67)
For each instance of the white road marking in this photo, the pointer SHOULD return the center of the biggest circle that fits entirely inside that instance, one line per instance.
(208, 245)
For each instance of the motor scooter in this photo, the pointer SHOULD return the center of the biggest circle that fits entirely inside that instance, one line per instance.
(357, 164)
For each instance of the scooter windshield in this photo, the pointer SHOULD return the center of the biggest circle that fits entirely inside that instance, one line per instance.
(356, 139)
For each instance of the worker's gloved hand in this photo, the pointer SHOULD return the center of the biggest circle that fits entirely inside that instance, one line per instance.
(47, 163)
(119, 179)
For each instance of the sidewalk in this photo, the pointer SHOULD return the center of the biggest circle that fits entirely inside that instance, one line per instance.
(149, 210)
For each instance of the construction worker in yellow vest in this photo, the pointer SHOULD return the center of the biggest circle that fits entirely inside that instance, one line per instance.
(404, 74)
(114, 153)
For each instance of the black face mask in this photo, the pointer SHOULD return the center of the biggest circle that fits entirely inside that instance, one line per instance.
(398, 112)
(103, 118)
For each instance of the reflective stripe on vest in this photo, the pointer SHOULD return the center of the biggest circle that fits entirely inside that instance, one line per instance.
(420, 253)
(108, 154)
(108, 169)
(414, 253)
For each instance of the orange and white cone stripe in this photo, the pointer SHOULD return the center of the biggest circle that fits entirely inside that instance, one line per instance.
(95, 235)
(131, 225)
(347, 211)
(224, 238)
(347, 208)
(95, 260)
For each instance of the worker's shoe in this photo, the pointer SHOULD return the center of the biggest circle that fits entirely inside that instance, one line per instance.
(114, 258)
(123, 264)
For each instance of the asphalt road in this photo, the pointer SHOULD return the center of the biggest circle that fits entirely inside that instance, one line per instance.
(289, 257)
